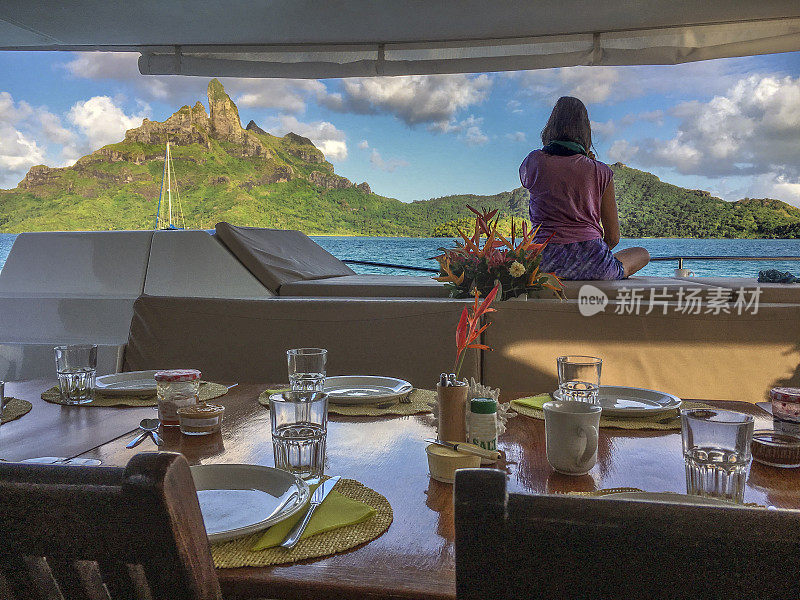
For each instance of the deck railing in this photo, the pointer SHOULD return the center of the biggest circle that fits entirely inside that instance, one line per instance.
(678, 259)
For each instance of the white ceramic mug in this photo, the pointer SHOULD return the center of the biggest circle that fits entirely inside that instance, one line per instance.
(571, 435)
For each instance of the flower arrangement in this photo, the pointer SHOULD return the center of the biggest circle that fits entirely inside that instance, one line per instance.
(475, 265)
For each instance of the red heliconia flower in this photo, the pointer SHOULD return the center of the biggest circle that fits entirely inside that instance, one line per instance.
(469, 330)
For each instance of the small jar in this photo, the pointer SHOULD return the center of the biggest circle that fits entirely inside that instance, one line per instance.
(786, 403)
(176, 388)
(483, 425)
(200, 419)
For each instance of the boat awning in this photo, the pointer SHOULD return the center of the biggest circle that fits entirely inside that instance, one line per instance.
(361, 38)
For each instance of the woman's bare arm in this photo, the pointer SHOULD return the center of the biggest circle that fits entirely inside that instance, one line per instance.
(609, 216)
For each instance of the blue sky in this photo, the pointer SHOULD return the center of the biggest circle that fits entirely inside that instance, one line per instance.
(729, 126)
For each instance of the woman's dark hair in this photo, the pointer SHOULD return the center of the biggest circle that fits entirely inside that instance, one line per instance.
(569, 122)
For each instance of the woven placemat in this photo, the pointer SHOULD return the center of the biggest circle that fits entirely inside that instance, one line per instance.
(14, 408)
(208, 391)
(421, 401)
(662, 422)
(237, 553)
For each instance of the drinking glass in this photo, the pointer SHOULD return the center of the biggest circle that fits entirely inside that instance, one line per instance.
(716, 449)
(76, 366)
(307, 369)
(299, 427)
(579, 378)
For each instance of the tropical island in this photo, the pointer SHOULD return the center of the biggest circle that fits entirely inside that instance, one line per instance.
(247, 176)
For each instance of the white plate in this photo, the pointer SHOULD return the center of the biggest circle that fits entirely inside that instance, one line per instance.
(670, 497)
(238, 500)
(127, 384)
(365, 389)
(620, 401)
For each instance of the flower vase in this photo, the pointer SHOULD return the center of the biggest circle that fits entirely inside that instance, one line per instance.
(452, 411)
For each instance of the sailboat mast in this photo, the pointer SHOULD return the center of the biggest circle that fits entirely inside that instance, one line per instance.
(169, 186)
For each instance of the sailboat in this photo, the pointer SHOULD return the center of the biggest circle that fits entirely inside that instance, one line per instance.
(169, 221)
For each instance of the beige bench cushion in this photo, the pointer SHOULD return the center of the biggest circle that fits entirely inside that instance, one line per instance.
(276, 256)
(707, 356)
(612, 288)
(368, 286)
(246, 340)
(786, 293)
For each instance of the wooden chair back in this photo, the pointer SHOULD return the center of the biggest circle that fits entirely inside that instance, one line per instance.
(92, 533)
(541, 546)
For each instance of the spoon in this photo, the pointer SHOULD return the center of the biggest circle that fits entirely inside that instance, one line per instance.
(148, 427)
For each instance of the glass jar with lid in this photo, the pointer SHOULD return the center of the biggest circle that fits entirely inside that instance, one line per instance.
(176, 388)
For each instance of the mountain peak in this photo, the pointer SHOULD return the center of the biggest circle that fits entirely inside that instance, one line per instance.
(225, 122)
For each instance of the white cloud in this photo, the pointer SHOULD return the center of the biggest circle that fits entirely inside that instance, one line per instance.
(363, 144)
(13, 112)
(330, 140)
(413, 99)
(18, 152)
(614, 84)
(389, 165)
(753, 129)
(54, 130)
(771, 185)
(590, 84)
(101, 121)
(286, 95)
(622, 151)
(517, 136)
(468, 130)
(514, 107)
(605, 129)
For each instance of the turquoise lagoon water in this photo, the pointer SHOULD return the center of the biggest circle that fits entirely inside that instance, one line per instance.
(415, 251)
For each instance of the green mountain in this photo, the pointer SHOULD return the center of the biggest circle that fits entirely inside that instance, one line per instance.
(249, 177)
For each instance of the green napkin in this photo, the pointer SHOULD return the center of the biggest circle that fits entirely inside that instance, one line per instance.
(336, 511)
(277, 390)
(533, 401)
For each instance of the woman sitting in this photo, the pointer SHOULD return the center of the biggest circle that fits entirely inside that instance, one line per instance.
(572, 198)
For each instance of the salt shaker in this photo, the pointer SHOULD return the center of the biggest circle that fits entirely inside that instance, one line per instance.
(176, 388)
(483, 425)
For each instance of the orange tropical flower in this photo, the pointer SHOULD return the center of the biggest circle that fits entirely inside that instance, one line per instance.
(469, 329)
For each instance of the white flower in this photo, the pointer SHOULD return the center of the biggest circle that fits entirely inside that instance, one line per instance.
(516, 269)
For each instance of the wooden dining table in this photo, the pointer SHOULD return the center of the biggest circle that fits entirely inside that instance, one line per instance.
(414, 558)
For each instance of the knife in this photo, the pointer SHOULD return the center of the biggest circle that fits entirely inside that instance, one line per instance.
(468, 448)
(320, 493)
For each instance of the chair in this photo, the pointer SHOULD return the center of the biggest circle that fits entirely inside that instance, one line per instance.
(531, 546)
(90, 533)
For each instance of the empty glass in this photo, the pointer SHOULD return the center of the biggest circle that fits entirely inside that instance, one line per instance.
(716, 449)
(579, 378)
(76, 366)
(299, 427)
(307, 369)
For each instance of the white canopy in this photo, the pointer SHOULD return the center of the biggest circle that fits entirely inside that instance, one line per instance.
(347, 38)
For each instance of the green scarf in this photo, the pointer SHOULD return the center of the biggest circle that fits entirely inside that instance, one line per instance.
(575, 147)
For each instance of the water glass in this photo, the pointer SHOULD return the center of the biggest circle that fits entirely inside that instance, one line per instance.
(299, 427)
(579, 378)
(76, 366)
(307, 369)
(716, 449)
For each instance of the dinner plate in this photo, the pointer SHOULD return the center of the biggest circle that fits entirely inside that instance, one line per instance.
(621, 401)
(670, 497)
(130, 383)
(238, 500)
(365, 389)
